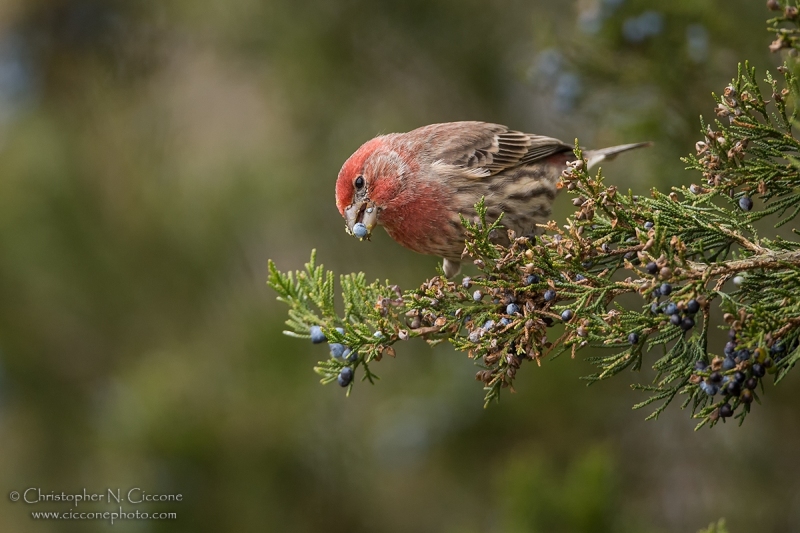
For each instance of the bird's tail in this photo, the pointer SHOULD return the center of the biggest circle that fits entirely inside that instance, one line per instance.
(606, 154)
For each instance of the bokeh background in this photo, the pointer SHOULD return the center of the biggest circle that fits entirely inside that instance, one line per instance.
(154, 155)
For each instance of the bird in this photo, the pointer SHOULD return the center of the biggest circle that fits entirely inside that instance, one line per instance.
(418, 184)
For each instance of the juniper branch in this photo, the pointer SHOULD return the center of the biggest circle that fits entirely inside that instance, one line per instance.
(686, 254)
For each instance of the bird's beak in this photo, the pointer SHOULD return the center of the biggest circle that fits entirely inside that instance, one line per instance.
(364, 212)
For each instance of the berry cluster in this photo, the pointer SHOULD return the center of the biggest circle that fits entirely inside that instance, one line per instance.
(681, 314)
(737, 375)
(339, 351)
(520, 312)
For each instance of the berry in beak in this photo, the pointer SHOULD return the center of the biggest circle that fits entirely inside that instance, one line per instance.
(360, 219)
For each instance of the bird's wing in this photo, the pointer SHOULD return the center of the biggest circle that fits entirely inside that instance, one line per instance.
(487, 149)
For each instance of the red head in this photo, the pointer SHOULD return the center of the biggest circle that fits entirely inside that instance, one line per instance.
(387, 182)
(353, 168)
(370, 182)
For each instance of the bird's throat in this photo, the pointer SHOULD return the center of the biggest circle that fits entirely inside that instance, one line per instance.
(423, 224)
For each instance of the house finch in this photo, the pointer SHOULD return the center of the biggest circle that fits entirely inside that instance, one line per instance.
(416, 184)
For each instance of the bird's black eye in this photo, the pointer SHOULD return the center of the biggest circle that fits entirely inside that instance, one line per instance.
(359, 183)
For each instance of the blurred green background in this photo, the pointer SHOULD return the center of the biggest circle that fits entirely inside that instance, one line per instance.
(154, 155)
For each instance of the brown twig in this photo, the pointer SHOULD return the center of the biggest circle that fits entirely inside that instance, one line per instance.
(768, 260)
(790, 323)
(743, 242)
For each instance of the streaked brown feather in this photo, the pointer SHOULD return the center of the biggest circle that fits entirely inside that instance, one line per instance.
(492, 147)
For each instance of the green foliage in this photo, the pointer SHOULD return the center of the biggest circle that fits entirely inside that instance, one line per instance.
(785, 26)
(310, 296)
(530, 490)
(718, 527)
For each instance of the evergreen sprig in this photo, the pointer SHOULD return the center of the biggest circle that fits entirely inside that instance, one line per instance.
(684, 255)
